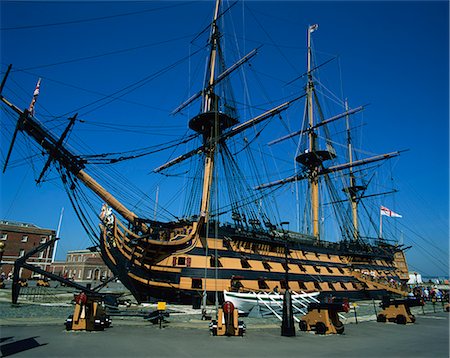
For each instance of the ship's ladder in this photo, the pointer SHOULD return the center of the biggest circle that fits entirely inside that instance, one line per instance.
(380, 285)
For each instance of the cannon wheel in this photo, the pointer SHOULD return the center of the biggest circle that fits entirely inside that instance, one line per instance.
(67, 324)
(339, 327)
(381, 318)
(400, 319)
(303, 326)
(321, 328)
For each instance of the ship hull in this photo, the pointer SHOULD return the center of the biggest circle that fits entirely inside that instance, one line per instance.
(237, 260)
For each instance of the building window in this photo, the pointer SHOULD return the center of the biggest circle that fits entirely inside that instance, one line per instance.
(41, 255)
(43, 240)
(89, 275)
(196, 283)
(21, 252)
(245, 263)
(24, 238)
(3, 236)
(79, 274)
(69, 258)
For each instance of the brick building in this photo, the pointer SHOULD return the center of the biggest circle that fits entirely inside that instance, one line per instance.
(19, 238)
(82, 265)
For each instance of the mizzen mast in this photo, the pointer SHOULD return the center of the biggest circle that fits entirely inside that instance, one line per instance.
(353, 189)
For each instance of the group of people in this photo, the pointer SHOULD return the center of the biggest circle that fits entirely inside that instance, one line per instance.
(431, 293)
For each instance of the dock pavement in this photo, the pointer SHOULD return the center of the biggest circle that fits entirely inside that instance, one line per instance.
(428, 337)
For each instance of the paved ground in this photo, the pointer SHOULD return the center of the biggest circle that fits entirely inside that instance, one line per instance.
(429, 337)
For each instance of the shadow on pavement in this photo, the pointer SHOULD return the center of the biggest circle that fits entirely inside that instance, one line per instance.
(9, 349)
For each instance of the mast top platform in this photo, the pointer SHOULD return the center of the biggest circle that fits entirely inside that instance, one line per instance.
(203, 122)
(353, 190)
(313, 159)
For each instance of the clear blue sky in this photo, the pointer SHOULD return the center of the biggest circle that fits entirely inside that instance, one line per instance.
(393, 55)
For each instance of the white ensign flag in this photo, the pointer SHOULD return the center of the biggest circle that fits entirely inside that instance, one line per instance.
(387, 212)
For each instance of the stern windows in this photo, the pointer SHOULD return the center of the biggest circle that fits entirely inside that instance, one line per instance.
(197, 283)
(24, 238)
(3, 236)
(181, 261)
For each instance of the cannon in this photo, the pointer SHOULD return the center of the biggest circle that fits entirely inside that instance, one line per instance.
(398, 310)
(227, 323)
(89, 314)
(323, 317)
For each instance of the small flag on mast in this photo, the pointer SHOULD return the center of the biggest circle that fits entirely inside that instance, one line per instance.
(387, 212)
(35, 95)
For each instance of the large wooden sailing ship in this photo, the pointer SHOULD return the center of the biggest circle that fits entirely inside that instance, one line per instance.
(198, 256)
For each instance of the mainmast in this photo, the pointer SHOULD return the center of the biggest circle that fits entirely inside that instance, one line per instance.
(313, 158)
(314, 179)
